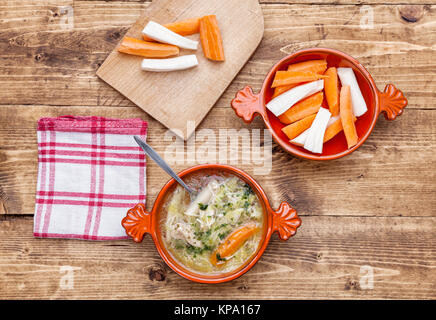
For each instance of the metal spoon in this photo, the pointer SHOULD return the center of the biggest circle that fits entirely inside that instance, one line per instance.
(161, 163)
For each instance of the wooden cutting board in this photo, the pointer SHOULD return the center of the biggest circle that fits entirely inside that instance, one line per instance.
(174, 98)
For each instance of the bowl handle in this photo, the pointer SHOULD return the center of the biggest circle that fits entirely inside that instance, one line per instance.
(285, 221)
(392, 102)
(246, 104)
(137, 222)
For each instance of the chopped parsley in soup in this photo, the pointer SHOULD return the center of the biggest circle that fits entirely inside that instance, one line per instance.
(219, 230)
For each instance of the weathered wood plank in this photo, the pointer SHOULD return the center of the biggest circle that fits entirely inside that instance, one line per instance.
(392, 174)
(328, 2)
(323, 260)
(342, 2)
(43, 61)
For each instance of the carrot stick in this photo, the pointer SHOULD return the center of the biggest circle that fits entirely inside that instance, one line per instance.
(315, 66)
(347, 116)
(334, 128)
(283, 78)
(288, 99)
(331, 90)
(210, 37)
(184, 27)
(147, 49)
(233, 242)
(302, 109)
(281, 89)
(294, 129)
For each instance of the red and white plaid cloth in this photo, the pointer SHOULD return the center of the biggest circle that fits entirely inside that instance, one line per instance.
(90, 172)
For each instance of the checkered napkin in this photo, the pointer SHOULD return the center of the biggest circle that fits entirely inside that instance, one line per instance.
(90, 172)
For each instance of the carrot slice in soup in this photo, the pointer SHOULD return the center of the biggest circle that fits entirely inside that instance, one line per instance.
(232, 243)
(294, 129)
(184, 27)
(347, 116)
(302, 109)
(315, 66)
(210, 37)
(147, 49)
(283, 78)
(331, 90)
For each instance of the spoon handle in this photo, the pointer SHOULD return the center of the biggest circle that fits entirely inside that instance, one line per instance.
(161, 163)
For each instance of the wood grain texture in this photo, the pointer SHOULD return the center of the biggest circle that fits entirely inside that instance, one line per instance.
(398, 156)
(341, 2)
(375, 207)
(325, 2)
(191, 92)
(42, 63)
(323, 260)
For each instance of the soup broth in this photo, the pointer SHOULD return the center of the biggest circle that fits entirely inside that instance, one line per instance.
(219, 230)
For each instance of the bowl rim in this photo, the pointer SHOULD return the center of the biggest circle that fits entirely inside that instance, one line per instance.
(198, 277)
(306, 155)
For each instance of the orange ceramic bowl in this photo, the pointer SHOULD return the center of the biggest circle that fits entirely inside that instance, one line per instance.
(391, 102)
(139, 221)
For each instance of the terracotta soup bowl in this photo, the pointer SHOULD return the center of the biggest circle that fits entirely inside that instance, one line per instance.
(139, 221)
(391, 102)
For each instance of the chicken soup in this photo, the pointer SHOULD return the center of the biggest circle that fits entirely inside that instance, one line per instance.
(216, 231)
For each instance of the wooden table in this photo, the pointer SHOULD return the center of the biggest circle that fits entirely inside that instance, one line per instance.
(373, 208)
